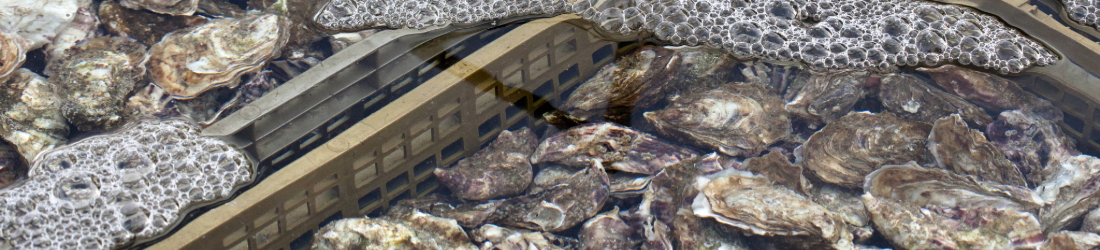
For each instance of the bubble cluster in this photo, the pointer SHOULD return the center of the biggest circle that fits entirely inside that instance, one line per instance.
(1084, 12)
(863, 34)
(109, 191)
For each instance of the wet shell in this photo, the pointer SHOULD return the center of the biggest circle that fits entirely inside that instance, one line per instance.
(175, 8)
(146, 27)
(827, 97)
(190, 61)
(908, 226)
(847, 204)
(1092, 221)
(1071, 189)
(846, 150)
(638, 79)
(1072, 240)
(30, 114)
(94, 79)
(736, 119)
(625, 185)
(628, 150)
(39, 21)
(908, 96)
(1029, 141)
(495, 237)
(992, 92)
(776, 167)
(13, 51)
(83, 27)
(415, 230)
(966, 152)
(914, 184)
(499, 170)
(556, 208)
(692, 232)
(12, 166)
(607, 231)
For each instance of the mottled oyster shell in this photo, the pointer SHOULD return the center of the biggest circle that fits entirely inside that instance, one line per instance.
(13, 51)
(170, 7)
(785, 78)
(1092, 221)
(828, 96)
(1072, 240)
(992, 92)
(146, 27)
(692, 232)
(1029, 141)
(83, 26)
(1071, 188)
(849, 148)
(965, 151)
(498, 170)
(736, 119)
(501, 238)
(607, 231)
(627, 149)
(549, 175)
(559, 207)
(397, 230)
(626, 185)
(909, 226)
(755, 205)
(12, 166)
(845, 203)
(31, 117)
(776, 167)
(912, 183)
(94, 79)
(39, 21)
(190, 61)
(638, 79)
(911, 97)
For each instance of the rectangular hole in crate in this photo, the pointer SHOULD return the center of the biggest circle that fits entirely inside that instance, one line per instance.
(303, 241)
(393, 159)
(235, 236)
(243, 245)
(1095, 135)
(297, 215)
(570, 74)
(313, 137)
(1075, 124)
(279, 161)
(451, 151)
(426, 186)
(364, 176)
(539, 65)
(328, 197)
(485, 100)
(564, 51)
(401, 83)
(393, 142)
(370, 198)
(421, 142)
(267, 234)
(448, 107)
(421, 125)
(1096, 117)
(428, 67)
(374, 213)
(363, 160)
(513, 80)
(1074, 104)
(265, 218)
(538, 50)
(515, 109)
(519, 125)
(544, 91)
(425, 166)
(601, 54)
(399, 198)
(488, 126)
(296, 199)
(336, 123)
(369, 104)
(449, 124)
(397, 183)
(1043, 87)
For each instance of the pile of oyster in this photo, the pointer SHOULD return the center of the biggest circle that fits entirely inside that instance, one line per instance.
(728, 154)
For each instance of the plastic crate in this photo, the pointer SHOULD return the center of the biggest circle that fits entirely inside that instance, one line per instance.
(389, 155)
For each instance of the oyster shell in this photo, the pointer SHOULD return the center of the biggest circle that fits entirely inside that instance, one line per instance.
(39, 21)
(559, 207)
(94, 79)
(190, 61)
(965, 151)
(845, 203)
(910, 97)
(1029, 141)
(737, 119)
(12, 166)
(1071, 188)
(692, 232)
(551, 174)
(340, 41)
(826, 97)
(628, 150)
(502, 238)
(607, 231)
(145, 27)
(82, 27)
(625, 185)
(13, 51)
(909, 226)
(776, 167)
(498, 170)
(171, 7)
(713, 163)
(992, 92)
(211, 106)
(400, 230)
(1092, 221)
(638, 79)
(785, 78)
(1072, 240)
(912, 183)
(753, 204)
(30, 115)
(846, 150)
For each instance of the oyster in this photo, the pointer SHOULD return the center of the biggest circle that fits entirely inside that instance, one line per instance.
(909, 226)
(1092, 221)
(397, 230)
(30, 114)
(498, 170)
(738, 119)
(846, 150)
(826, 97)
(1029, 141)
(966, 152)
(625, 185)
(753, 204)
(208, 107)
(82, 27)
(713, 163)
(343, 40)
(776, 167)
(94, 79)
(908, 96)
(846, 204)
(785, 78)
(175, 8)
(1071, 188)
(13, 51)
(12, 166)
(551, 174)
(628, 150)
(39, 21)
(1071, 240)
(692, 232)
(918, 185)
(501, 238)
(145, 27)
(607, 231)
(992, 92)
(558, 207)
(190, 61)
(638, 79)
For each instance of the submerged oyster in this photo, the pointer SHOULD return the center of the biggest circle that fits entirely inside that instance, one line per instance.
(992, 92)
(397, 230)
(785, 78)
(30, 114)
(738, 119)
(638, 79)
(498, 170)
(12, 165)
(1071, 240)
(827, 97)
(501, 238)
(845, 203)
(1092, 221)
(692, 232)
(910, 226)
(753, 204)
(965, 151)
(343, 40)
(145, 27)
(776, 167)
(39, 21)
(626, 185)
(628, 150)
(13, 51)
(1071, 188)
(846, 150)
(558, 207)
(607, 231)
(175, 8)
(190, 61)
(94, 79)
(1029, 141)
(83, 27)
(911, 97)
(912, 183)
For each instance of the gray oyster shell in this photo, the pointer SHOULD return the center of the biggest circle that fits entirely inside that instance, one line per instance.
(146, 27)
(1072, 240)
(559, 207)
(849, 148)
(549, 175)
(785, 78)
(1071, 188)
(693, 232)
(989, 91)
(1092, 221)
(776, 167)
(13, 51)
(828, 96)
(607, 231)
(846, 203)
(410, 229)
(12, 166)
(737, 119)
(501, 238)
(30, 114)
(171, 7)
(84, 26)
(626, 185)
(628, 150)
(496, 171)
(911, 97)
(915, 184)
(965, 151)
(636, 80)
(95, 77)
(1030, 141)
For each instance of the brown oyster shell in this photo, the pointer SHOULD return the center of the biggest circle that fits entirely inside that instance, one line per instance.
(785, 78)
(965, 151)
(553, 209)
(12, 165)
(845, 203)
(498, 170)
(1092, 221)
(828, 96)
(909, 226)
(607, 231)
(638, 79)
(738, 119)
(626, 185)
(30, 114)
(1071, 189)
(989, 91)
(627, 149)
(402, 228)
(776, 167)
(94, 79)
(170, 7)
(1029, 141)
(849, 148)
(190, 61)
(549, 175)
(501, 238)
(1072, 240)
(911, 97)
(13, 51)
(146, 27)
(755, 205)
(912, 183)
(692, 232)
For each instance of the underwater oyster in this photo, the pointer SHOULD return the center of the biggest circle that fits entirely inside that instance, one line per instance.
(12, 165)
(785, 78)
(636, 80)
(627, 149)
(828, 96)
(397, 230)
(692, 232)
(190, 61)
(1072, 240)
(776, 167)
(208, 107)
(145, 27)
(30, 114)
(1030, 141)
(607, 231)
(752, 203)
(965, 151)
(909, 226)
(83, 26)
(737, 119)
(343, 40)
(170, 7)
(558, 207)
(1071, 188)
(549, 175)
(992, 92)
(498, 170)
(626, 185)
(849, 148)
(94, 79)
(1092, 221)
(13, 51)
(845, 202)
(908, 96)
(39, 21)
(501, 238)
(912, 183)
